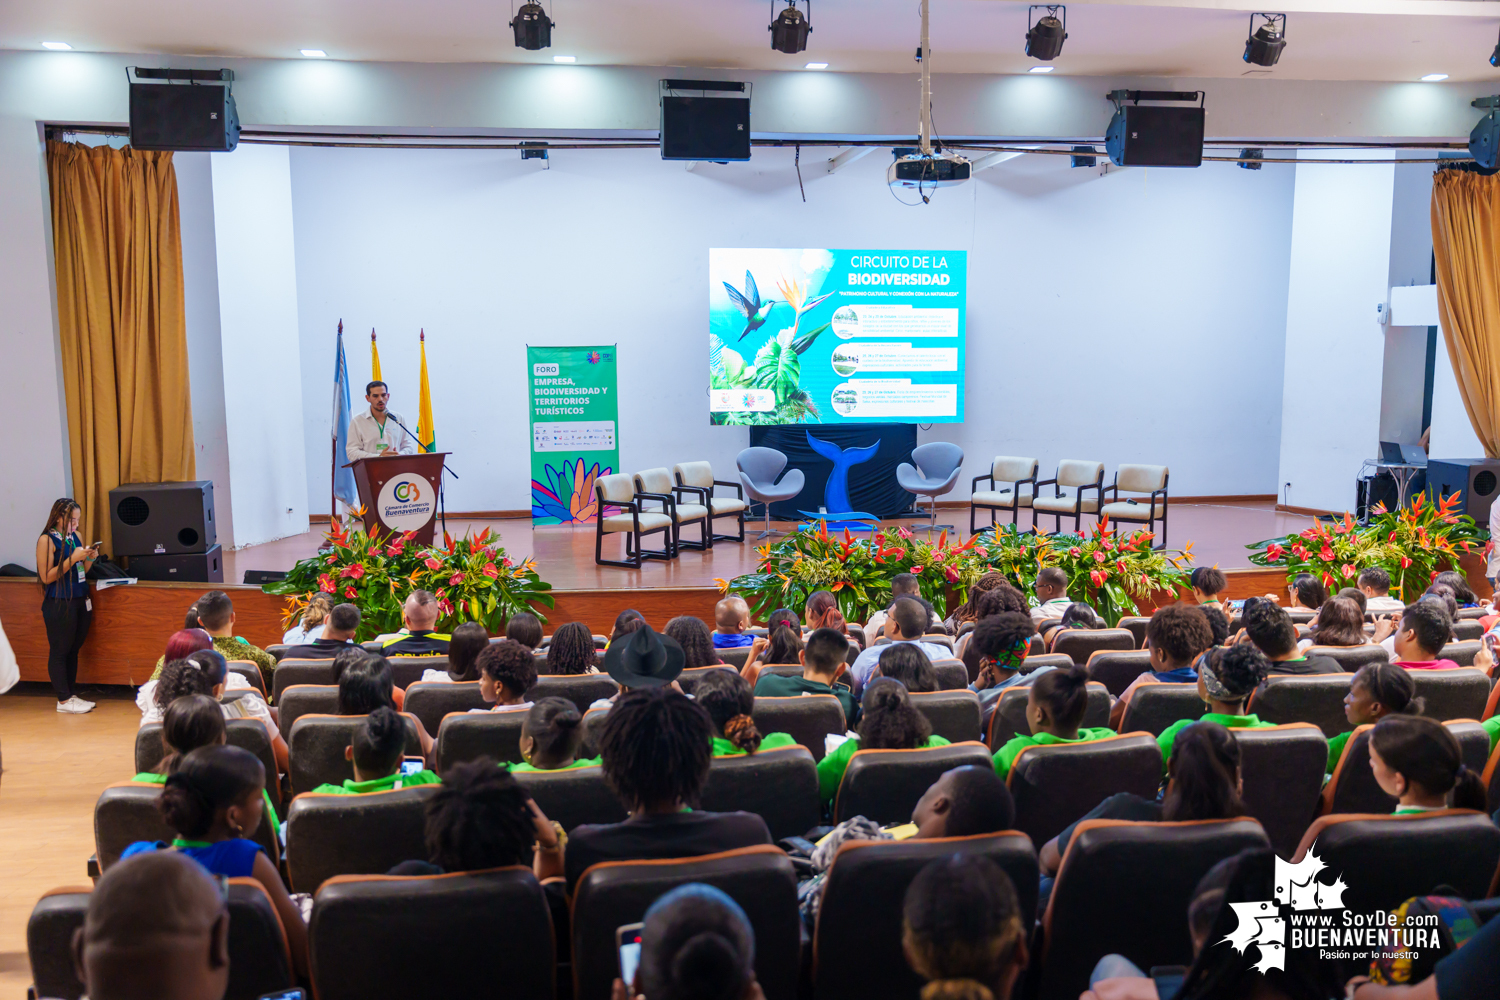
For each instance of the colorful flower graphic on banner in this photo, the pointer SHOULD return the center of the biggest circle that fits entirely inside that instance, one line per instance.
(567, 497)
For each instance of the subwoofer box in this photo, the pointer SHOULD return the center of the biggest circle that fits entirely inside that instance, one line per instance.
(197, 567)
(149, 519)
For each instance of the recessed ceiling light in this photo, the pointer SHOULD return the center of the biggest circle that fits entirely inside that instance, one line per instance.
(1434, 77)
(565, 59)
(1041, 69)
(57, 46)
(816, 66)
(315, 53)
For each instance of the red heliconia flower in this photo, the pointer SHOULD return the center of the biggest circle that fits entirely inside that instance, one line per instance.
(490, 570)
(1274, 552)
(349, 593)
(432, 562)
(455, 579)
(354, 571)
(326, 584)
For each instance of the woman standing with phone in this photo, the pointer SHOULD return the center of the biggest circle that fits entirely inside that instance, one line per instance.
(61, 562)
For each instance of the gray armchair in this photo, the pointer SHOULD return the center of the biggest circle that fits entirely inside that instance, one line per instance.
(758, 469)
(935, 473)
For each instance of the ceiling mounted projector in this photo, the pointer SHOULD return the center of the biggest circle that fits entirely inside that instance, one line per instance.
(789, 30)
(1264, 46)
(1044, 40)
(926, 171)
(533, 27)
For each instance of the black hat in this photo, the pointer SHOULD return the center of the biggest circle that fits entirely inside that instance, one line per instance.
(644, 659)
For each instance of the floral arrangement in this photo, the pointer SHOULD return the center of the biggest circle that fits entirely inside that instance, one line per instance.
(473, 578)
(1413, 544)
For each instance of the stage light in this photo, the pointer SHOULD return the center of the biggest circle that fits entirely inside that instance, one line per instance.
(1250, 158)
(789, 29)
(565, 59)
(57, 46)
(1434, 77)
(1044, 40)
(1041, 69)
(533, 27)
(816, 66)
(314, 53)
(1263, 47)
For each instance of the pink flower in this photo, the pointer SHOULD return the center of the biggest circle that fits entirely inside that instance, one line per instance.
(326, 584)
(917, 569)
(1326, 554)
(1347, 570)
(332, 558)
(1096, 576)
(490, 570)
(396, 547)
(455, 579)
(432, 563)
(1099, 557)
(349, 593)
(898, 553)
(506, 562)
(952, 574)
(981, 551)
(1075, 552)
(1274, 552)
(939, 556)
(903, 533)
(354, 571)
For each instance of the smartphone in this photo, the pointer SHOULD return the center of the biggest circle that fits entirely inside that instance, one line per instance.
(1237, 605)
(411, 765)
(285, 995)
(628, 939)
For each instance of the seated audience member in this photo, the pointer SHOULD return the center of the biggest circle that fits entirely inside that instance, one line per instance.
(1339, 623)
(1077, 616)
(1208, 582)
(215, 613)
(464, 646)
(310, 625)
(887, 721)
(418, 617)
(339, 628)
(822, 611)
(205, 672)
(481, 818)
(1002, 642)
(962, 931)
(726, 697)
(695, 639)
(180, 646)
(906, 623)
(1305, 593)
(1054, 710)
(571, 650)
(644, 660)
(968, 611)
(524, 627)
(1418, 762)
(903, 662)
(507, 671)
(190, 722)
(1227, 677)
(1424, 630)
(1377, 690)
(1176, 636)
(377, 751)
(1218, 622)
(1459, 584)
(1271, 630)
(902, 585)
(626, 622)
(1467, 972)
(731, 619)
(551, 736)
(999, 600)
(1375, 584)
(1358, 597)
(656, 748)
(783, 645)
(1051, 590)
(365, 685)
(696, 944)
(214, 802)
(157, 927)
(822, 659)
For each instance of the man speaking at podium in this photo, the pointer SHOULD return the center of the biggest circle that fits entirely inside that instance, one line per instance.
(378, 432)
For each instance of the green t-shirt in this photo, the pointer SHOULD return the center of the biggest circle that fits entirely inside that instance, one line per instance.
(389, 783)
(1492, 726)
(1227, 721)
(152, 778)
(831, 768)
(771, 685)
(1336, 749)
(770, 741)
(1006, 755)
(585, 762)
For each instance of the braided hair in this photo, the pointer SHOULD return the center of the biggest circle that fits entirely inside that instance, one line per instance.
(888, 719)
(655, 748)
(571, 650)
(693, 636)
(960, 923)
(480, 817)
(727, 699)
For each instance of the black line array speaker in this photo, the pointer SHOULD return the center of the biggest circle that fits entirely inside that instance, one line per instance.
(1145, 135)
(185, 117)
(1477, 479)
(199, 567)
(713, 125)
(150, 519)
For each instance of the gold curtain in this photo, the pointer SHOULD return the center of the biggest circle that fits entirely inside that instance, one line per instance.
(118, 252)
(1466, 245)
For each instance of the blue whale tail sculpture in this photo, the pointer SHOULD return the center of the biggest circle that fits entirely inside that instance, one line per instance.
(836, 495)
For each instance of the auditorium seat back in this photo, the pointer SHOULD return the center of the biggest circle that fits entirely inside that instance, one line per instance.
(1467, 630)
(431, 701)
(760, 879)
(1315, 698)
(1116, 668)
(1136, 626)
(593, 721)
(782, 669)
(247, 734)
(1473, 741)
(465, 736)
(368, 834)
(1461, 651)
(805, 718)
(305, 699)
(1491, 777)
(1053, 785)
(126, 812)
(289, 672)
(1036, 661)
(1453, 693)
(884, 785)
(407, 670)
(1081, 643)
(952, 675)
(317, 744)
(779, 785)
(688, 679)
(1155, 706)
(581, 689)
(251, 672)
(1095, 910)
(277, 650)
(1352, 788)
(432, 936)
(1351, 658)
(573, 797)
(857, 943)
(735, 657)
(954, 715)
(1008, 720)
(1281, 771)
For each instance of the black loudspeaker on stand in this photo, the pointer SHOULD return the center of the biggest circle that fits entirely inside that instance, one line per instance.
(198, 567)
(166, 531)
(1477, 480)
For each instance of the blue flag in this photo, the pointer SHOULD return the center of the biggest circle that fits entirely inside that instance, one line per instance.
(343, 478)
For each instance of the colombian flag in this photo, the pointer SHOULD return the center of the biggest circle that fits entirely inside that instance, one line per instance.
(374, 358)
(425, 438)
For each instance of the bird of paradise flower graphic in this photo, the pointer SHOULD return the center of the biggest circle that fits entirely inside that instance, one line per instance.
(568, 497)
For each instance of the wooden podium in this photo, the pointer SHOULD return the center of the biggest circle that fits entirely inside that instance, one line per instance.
(400, 493)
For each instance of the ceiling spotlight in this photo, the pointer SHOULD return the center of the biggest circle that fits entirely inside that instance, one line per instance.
(65, 47)
(1041, 69)
(1434, 77)
(790, 27)
(1263, 47)
(565, 59)
(1250, 159)
(314, 53)
(532, 26)
(1044, 40)
(816, 66)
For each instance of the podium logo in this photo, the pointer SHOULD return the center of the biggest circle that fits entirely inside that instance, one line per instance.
(406, 504)
(407, 492)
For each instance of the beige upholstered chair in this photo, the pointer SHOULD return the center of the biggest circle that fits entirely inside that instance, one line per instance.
(618, 490)
(698, 478)
(1150, 479)
(1020, 473)
(1081, 477)
(656, 486)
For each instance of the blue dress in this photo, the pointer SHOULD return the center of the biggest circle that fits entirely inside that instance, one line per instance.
(233, 858)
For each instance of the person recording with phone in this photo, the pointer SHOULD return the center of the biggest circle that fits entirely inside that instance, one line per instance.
(61, 562)
(380, 431)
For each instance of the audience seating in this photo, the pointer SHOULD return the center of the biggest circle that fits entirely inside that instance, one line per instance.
(1491, 778)
(657, 485)
(1147, 479)
(290, 672)
(932, 472)
(248, 734)
(1454, 693)
(758, 469)
(698, 478)
(1008, 720)
(615, 893)
(592, 720)
(451, 934)
(954, 714)
(408, 670)
(1466, 613)
(1155, 706)
(1094, 912)
(1467, 630)
(260, 960)
(781, 786)
(1281, 775)
(952, 675)
(368, 834)
(1352, 787)
(1461, 652)
(573, 797)
(126, 812)
(1019, 472)
(1053, 785)
(465, 736)
(1300, 616)
(431, 701)
(1136, 626)
(1351, 658)
(688, 679)
(805, 718)
(1315, 698)
(857, 943)
(1035, 660)
(1080, 643)
(317, 744)
(581, 689)
(735, 657)
(305, 699)
(938, 639)
(1078, 475)
(884, 785)
(1116, 668)
(278, 650)
(1473, 741)
(251, 672)
(632, 520)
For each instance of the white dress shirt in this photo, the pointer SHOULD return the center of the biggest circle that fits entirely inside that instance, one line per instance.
(365, 436)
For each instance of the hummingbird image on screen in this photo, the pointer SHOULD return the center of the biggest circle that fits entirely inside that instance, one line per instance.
(756, 311)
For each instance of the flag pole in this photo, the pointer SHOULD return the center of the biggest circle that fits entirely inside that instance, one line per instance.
(333, 461)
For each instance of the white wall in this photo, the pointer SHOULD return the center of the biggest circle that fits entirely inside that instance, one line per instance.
(1452, 432)
(1103, 311)
(1405, 373)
